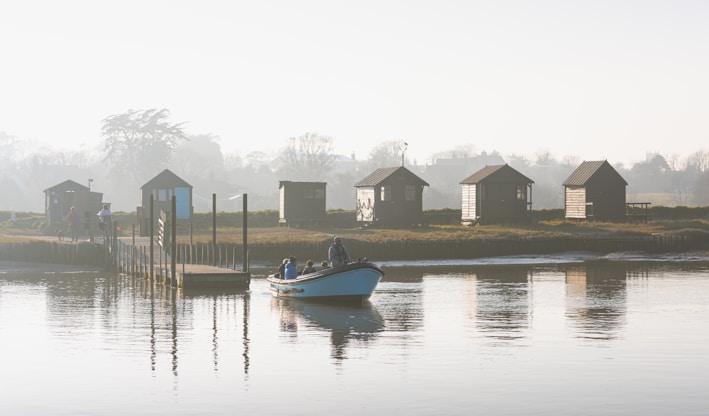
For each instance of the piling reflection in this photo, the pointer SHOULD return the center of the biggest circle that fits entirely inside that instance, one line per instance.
(172, 314)
(596, 299)
(227, 305)
(346, 323)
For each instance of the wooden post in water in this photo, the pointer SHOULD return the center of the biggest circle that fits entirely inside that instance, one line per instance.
(173, 244)
(152, 238)
(132, 254)
(244, 248)
(214, 229)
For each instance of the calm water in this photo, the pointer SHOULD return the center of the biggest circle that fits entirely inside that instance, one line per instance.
(517, 336)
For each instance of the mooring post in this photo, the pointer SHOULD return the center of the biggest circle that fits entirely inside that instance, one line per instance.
(152, 265)
(214, 229)
(173, 245)
(244, 248)
(132, 254)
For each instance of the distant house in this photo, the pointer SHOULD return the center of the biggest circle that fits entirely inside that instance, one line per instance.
(595, 191)
(301, 202)
(390, 197)
(496, 194)
(162, 188)
(60, 198)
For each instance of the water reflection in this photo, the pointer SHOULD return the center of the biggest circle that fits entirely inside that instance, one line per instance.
(503, 302)
(227, 305)
(401, 295)
(429, 337)
(344, 322)
(596, 298)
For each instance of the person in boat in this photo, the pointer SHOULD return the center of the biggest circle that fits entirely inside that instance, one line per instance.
(282, 269)
(291, 269)
(324, 265)
(309, 268)
(337, 254)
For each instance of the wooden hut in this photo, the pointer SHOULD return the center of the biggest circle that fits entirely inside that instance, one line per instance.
(595, 191)
(162, 188)
(61, 197)
(301, 203)
(390, 197)
(496, 194)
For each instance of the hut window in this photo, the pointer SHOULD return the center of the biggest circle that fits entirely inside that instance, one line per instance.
(162, 194)
(314, 193)
(520, 193)
(386, 193)
(410, 193)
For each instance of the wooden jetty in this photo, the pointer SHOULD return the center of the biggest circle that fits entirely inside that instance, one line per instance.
(204, 276)
(132, 256)
(141, 256)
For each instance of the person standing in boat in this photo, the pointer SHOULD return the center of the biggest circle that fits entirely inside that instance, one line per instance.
(291, 269)
(337, 254)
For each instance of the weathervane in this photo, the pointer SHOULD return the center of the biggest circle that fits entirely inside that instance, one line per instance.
(404, 146)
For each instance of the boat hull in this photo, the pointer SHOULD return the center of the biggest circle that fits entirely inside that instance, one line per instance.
(355, 281)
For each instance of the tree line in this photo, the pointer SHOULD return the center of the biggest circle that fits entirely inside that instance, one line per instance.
(138, 144)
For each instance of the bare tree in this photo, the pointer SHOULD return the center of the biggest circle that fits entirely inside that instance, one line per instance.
(463, 151)
(307, 157)
(387, 154)
(679, 177)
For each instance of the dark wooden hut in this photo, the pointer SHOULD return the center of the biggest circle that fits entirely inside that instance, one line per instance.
(595, 191)
(390, 197)
(61, 197)
(496, 194)
(162, 188)
(301, 203)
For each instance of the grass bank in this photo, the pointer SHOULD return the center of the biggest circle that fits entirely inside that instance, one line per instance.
(444, 226)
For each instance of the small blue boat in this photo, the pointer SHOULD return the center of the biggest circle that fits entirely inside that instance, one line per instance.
(353, 282)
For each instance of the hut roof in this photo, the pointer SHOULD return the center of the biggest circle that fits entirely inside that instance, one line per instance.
(68, 185)
(382, 174)
(281, 184)
(166, 179)
(497, 174)
(586, 170)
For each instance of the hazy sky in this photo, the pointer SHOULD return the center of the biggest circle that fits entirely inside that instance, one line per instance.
(596, 79)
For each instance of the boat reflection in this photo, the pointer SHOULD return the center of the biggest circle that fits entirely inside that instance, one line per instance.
(345, 322)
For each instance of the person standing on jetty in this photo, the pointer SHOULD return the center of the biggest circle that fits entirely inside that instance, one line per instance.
(73, 218)
(337, 254)
(104, 220)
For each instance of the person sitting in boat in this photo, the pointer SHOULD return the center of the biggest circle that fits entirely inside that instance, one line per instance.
(308, 267)
(291, 269)
(324, 265)
(337, 254)
(282, 269)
